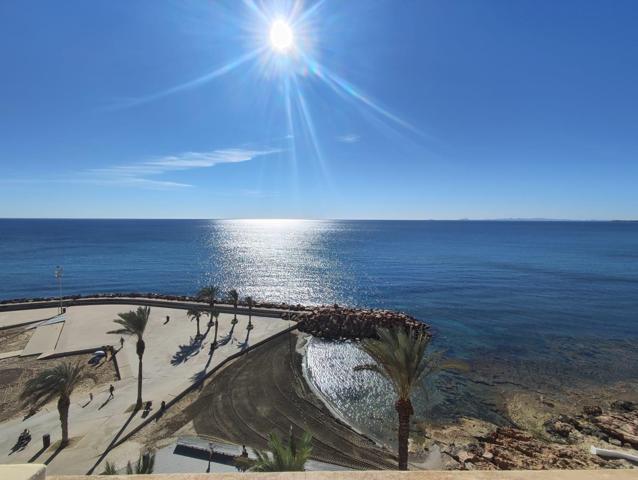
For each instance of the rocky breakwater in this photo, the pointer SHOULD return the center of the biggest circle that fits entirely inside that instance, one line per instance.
(350, 323)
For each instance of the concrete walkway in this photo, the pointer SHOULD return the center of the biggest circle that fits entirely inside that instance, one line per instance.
(26, 317)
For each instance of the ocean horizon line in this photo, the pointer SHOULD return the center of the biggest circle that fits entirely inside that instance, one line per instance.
(513, 219)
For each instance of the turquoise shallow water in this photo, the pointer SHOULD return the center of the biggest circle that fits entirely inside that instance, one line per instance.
(531, 296)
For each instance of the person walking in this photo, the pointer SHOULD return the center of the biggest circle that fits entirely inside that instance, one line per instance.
(111, 391)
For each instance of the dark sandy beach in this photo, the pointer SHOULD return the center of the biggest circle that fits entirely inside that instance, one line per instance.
(261, 392)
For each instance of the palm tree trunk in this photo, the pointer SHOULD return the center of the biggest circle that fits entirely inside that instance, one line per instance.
(403, 407)
(138, 403)
(63, 408)
(140, 353)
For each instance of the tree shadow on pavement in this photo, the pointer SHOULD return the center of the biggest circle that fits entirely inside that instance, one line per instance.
(244, 345)
(37, 454)
(113, 441)
(55, 454)
(187, 351)
(201, 375)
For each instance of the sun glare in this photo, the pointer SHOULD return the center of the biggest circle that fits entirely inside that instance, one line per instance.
(281, 36)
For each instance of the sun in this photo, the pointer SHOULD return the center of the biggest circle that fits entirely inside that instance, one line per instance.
(282, 37)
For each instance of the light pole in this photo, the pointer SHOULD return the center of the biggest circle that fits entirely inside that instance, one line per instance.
(210, 455)
(59, 271)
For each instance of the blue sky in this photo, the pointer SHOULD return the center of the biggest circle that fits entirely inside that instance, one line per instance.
(379, 109)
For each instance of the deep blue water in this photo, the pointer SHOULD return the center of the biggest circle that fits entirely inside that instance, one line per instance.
(477, 283)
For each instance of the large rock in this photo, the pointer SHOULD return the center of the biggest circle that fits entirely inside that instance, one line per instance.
(623, 427)
(618, 426)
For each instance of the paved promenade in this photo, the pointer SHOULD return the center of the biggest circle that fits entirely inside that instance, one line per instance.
(172, 362)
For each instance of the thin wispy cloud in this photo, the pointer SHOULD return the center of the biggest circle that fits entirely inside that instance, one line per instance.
(349, 138)
(137, 174)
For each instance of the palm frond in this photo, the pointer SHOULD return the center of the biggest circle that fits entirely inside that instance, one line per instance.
(109, 469)
(290, 457)
(143, 466)
(399, 356)
(233, 295)
(60, 380)
(208, 294)
(133, 322)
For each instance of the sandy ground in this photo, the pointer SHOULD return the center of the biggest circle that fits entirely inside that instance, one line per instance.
(263, 392)
(14, 338)
(16, 371)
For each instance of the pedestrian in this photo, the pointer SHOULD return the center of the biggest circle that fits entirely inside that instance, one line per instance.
(90, 396)
(121, 342)
(111, 391)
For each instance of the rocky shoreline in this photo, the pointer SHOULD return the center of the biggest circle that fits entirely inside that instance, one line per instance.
(566, 445)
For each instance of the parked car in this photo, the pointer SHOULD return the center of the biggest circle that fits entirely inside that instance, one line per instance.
(98, 355)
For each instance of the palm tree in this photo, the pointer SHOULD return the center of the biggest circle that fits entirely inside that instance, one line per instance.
(234, 297)
(249, 301)
(195, 315)
(285, 458)
(134, 323)
(143, 466)
(399, 356)
(216, 322)
(209, 295)
(58, 381)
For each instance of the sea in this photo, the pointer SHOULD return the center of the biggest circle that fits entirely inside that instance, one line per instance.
(545, 305)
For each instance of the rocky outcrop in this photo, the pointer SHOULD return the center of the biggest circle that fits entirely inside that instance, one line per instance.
(618, 426)
(338, 322)
(513, 449)
(566, 445)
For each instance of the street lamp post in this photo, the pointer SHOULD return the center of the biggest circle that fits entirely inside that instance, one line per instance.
(210, 455)
(59, 271)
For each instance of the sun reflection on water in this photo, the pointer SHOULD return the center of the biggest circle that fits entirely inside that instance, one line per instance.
(278, 260)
